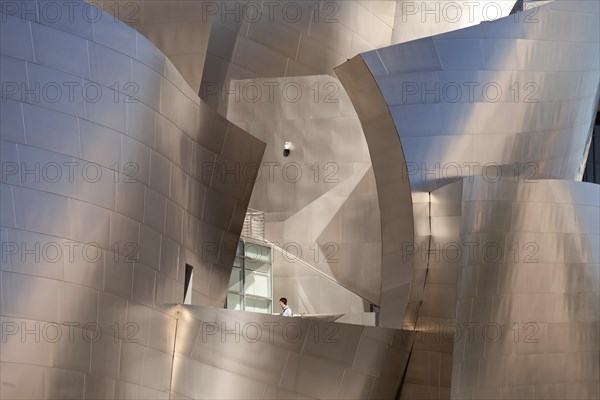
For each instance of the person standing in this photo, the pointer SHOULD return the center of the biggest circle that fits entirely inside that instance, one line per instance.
(286, 311)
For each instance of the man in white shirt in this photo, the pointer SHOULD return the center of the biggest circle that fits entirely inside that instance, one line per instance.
(286, 311)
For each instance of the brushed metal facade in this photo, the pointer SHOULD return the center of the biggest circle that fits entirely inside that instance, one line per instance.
(226, 354)
(320, 201)
(444, 137)
(419, 19)
(114, 177)
(472, 134)
(432, 306)
(260, 44)
(449, 131)
(395, 201)
(287, 38)
(530, 290)
(179, 28)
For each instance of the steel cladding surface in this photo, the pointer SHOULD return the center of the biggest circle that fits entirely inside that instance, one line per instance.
(179, 28)
(513, 98)
(529, 292)
(289, 38)
(116, 179)
(232, 354)
(113, 180)
(502, 98)
(320, 201)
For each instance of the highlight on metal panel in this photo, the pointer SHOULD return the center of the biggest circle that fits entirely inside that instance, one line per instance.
(299, 199)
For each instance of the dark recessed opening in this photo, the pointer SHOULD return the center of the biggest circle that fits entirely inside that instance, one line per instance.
(187, 285)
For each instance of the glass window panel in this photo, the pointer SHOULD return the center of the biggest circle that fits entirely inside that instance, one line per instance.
(235, 302)
(251, 275)
(238, 262)
(235, 280)
(255, 252)
(258, 305)
(260, 266)
(258, 285)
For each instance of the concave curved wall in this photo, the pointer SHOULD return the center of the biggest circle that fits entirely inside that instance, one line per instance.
(449, 132)
(114, 177)
(509, 95)
(530, 290)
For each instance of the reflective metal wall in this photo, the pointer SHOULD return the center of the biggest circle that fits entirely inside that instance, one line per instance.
(179, 28)
(419, 19)
(320, 201)
(225, 354)
(432, 307)
(510, 94)
(289, 38)
(529, 289)
(395, 202)
(114, 177)
(448, 130)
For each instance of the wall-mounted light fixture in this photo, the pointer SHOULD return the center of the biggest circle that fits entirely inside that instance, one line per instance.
(287, 149)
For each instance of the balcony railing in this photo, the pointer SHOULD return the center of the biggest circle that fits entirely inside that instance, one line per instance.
(254, 225)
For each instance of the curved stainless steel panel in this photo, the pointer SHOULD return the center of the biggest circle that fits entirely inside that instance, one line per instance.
(432, 306)
(501, 98)
(289, 38)
(114, 177)
(466, 135)
(529, 290)
(228, 354)
(393, 188)
(179, 28)
(415, 20)
(320, 201)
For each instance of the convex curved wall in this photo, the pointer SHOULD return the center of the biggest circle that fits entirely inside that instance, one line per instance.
(115, 176)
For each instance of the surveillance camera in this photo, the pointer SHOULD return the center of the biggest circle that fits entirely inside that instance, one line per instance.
(287, 149)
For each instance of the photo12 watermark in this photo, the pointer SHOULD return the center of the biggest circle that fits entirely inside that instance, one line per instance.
(269, 332)
(67, 251)
(70, 92)
(68, 332)
(448, 12)
(471, 252)
(270, 92)
(473, 331)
